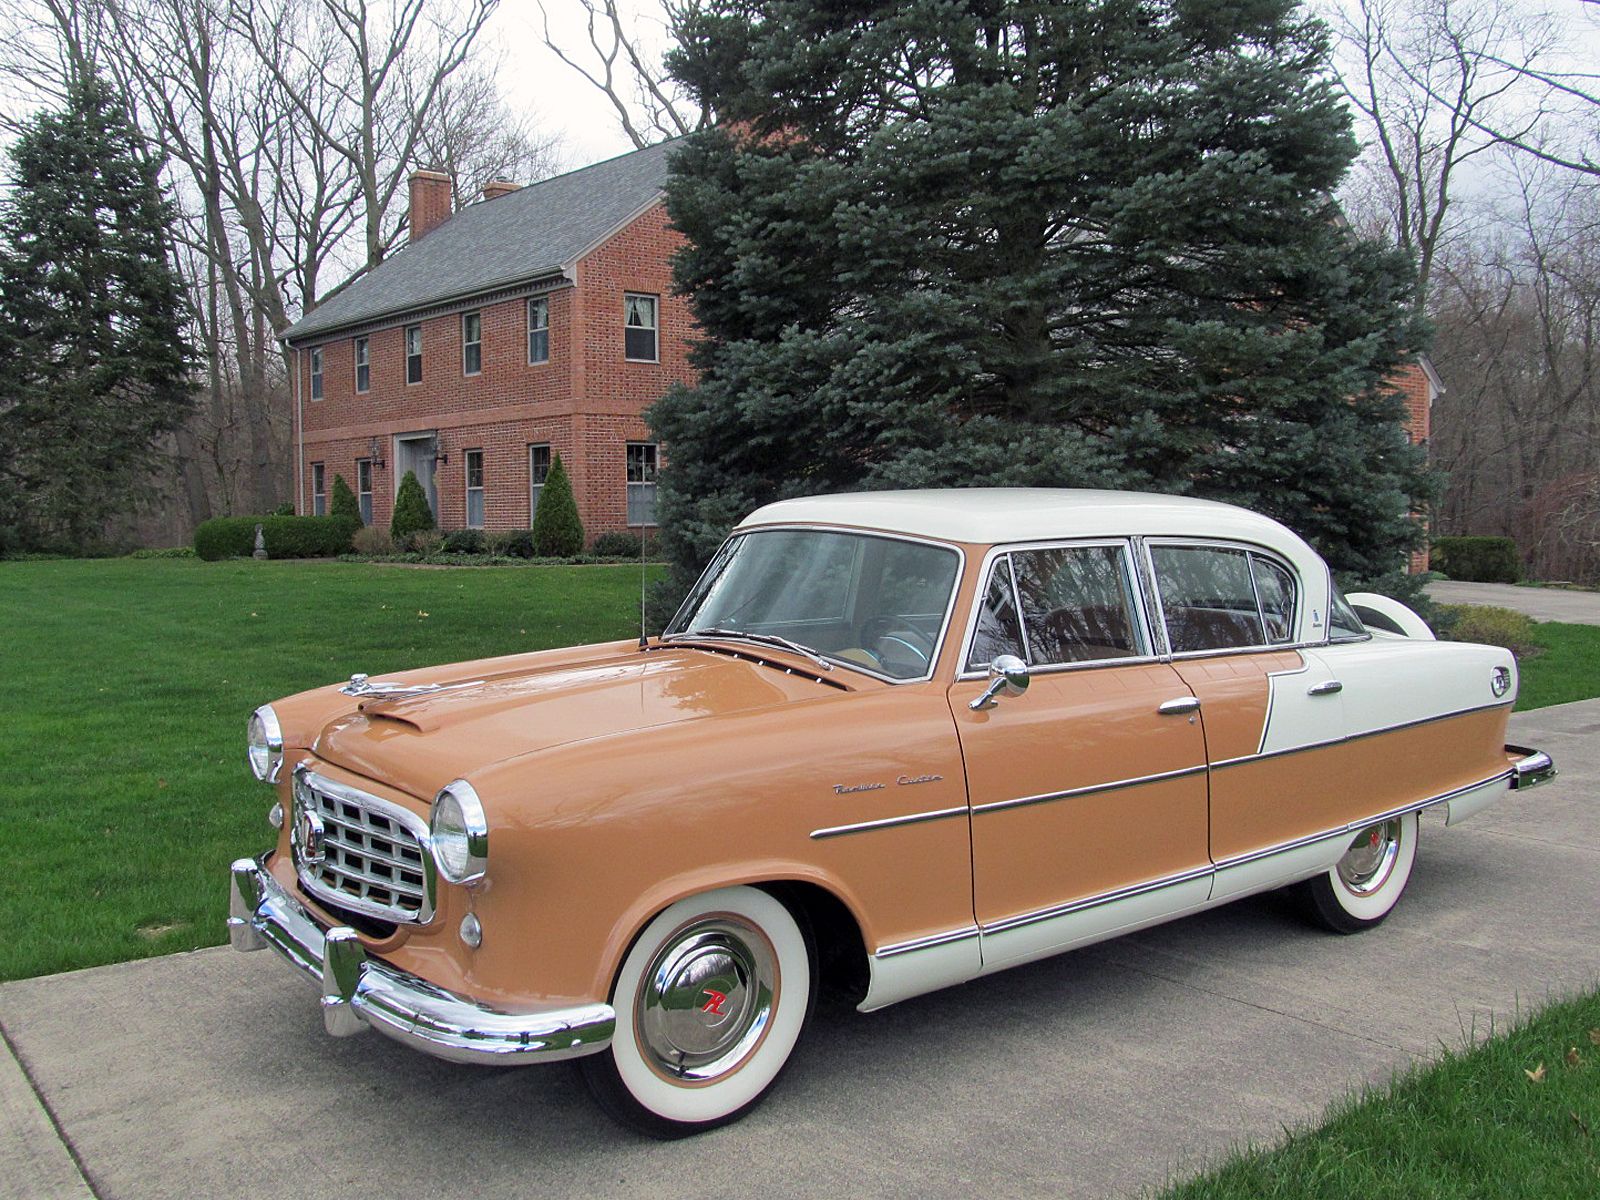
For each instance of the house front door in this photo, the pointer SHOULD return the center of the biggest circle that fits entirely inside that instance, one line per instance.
(417, 453)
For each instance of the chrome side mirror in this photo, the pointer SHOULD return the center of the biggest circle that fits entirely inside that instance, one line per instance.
(1008, 674)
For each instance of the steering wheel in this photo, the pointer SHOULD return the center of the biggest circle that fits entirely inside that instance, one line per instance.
(893, 642)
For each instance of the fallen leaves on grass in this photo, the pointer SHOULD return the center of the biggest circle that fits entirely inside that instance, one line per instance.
(1537, 1074)
(1573, 1057)
(1594, 1037)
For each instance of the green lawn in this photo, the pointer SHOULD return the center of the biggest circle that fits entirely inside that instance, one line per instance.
(1569, 668)
(1481, 1122)
(128, 686)
(122, 718)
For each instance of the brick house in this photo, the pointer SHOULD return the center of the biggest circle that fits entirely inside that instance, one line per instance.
(1420, 385)
(537, 321)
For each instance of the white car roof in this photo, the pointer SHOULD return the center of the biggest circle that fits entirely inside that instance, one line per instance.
(990, 516)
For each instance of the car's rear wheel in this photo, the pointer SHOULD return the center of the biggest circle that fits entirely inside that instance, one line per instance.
(1365, 884)
(710, 1002)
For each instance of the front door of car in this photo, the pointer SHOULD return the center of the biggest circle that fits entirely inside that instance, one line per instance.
(1089, 789)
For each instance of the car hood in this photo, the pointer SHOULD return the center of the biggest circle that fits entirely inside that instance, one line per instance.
(420, 743)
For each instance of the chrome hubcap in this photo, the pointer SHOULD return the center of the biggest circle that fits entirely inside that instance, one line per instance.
(1367, 865)
(707, 999)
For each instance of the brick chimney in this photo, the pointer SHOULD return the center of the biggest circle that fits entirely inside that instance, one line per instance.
(496, 188)
(430, 202)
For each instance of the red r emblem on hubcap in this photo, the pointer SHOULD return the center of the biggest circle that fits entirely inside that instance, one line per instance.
(714, 1005)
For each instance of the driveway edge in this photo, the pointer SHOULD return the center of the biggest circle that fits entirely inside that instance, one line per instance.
(34, 1159)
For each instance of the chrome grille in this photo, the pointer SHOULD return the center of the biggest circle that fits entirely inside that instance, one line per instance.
(361, 852)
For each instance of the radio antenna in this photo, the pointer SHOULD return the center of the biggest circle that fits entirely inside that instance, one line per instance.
(644, 637)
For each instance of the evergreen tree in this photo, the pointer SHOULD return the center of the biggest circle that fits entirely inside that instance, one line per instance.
(93, 357)
(411, 511)
(557, 531)
(941, 243)
(344, 502)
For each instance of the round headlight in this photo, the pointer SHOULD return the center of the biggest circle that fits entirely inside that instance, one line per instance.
(459, 833)
(264, 744)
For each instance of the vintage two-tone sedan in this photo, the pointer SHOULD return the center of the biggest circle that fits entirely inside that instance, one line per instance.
(890, 743)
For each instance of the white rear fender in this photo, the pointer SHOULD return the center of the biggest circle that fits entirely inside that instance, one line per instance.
(1381, 614)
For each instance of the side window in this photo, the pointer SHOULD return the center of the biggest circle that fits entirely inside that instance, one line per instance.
(1275, 590)
(1343, 624)
(999, 631)
(1207, 598)
(1077, 604)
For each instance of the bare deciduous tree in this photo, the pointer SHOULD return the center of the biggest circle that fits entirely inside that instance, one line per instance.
(618, 61)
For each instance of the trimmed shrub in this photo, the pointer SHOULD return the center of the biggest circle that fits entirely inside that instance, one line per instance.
(286, 509)
(1488, 625)
(164, 552)
(369, 539)
(513, 543)
(411, 511)
(557, 531)
(617, 545)
(463, 541)
(344, 503)
(285, 537)
(1478, 559)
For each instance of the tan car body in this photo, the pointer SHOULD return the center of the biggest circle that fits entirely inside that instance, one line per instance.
(618, 779)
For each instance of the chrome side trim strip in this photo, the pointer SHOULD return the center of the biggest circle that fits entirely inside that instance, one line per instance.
(1357, 826)
(925, 943)
(1151, 885)
(1113, 786)
(1354, 737)
(1061, 910)
(889, 822)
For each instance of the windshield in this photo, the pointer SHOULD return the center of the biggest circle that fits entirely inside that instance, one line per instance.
(873, 603)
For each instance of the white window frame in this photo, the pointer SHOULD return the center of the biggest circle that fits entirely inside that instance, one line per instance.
(466, 472)
(361, 352)
(316, 373)
(364, 489)
(638, 487)
(654, 327)
(534, 488)
(319, 489)
(468, 345)
(406, 346)
(542, 305)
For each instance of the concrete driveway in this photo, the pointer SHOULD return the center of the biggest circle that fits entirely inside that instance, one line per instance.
(1096, 1074)
(1542, 604)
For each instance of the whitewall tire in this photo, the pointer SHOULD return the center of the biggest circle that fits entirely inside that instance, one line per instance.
(1365, 884)
(710, 1001)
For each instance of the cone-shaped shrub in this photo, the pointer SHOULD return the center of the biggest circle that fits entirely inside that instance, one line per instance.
(557, 531)
(344, 501)
(411, 511)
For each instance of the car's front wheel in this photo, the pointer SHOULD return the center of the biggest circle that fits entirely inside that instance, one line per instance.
(710, 1002)
(1365, 884)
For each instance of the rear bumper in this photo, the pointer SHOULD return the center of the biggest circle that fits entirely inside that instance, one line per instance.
(360, 991)
(1531, 768)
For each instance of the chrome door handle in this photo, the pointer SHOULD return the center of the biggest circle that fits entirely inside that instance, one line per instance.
(1326, 688)
(1184, 704)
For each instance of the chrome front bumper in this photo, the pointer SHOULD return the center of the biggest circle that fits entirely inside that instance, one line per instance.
(360, 991)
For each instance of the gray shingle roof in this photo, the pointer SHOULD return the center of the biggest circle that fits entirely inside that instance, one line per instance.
(498, 243)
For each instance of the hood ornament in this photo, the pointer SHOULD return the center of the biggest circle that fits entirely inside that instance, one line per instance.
(361, 685)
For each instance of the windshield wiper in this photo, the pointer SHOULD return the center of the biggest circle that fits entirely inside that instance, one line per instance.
(768, 639)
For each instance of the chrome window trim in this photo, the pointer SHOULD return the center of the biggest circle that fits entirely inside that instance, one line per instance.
(890, 822)
(965, 673)
(944, 624)
(1327, 626)
(416, 825)
(1248, 548)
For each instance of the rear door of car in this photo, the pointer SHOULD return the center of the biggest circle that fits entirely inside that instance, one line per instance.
(1090, 788)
